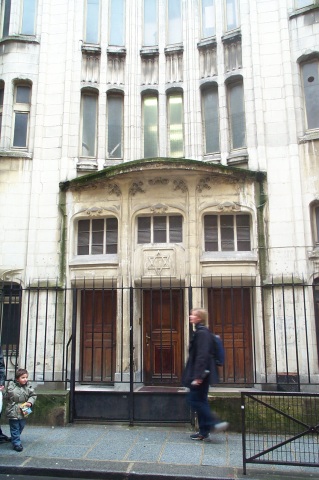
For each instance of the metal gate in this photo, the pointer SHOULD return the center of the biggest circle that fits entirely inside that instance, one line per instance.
(280, 428)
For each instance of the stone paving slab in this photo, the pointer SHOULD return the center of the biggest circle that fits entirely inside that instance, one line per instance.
(142, 452)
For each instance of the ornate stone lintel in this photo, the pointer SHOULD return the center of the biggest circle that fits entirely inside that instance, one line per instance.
(158, 181)
(136, 187)
(228, 207)
(158, 208)
(95, 211)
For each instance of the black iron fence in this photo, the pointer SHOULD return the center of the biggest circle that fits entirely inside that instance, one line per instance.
(116, 335)
(280, 428)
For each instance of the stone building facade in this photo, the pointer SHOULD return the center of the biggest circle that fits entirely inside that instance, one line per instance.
(159, 145)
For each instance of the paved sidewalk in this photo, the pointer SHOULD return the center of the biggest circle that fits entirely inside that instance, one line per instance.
(141, 452)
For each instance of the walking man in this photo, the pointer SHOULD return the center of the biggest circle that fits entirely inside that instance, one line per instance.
(3, 438)
(199, 373)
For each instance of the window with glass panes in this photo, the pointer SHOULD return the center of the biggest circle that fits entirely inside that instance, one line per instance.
(92, 21)
(115, 126)
(28, 17)
(208, 18)
(150, 121)
(174, 19)
(175, 125)
(1, 104)
(97, 236)
(89, 121)
(227, 233)
(236, 114)
(150, 23)
(232, 14)
(6, 12)
(22, 101)
(310, 79)
(160, 229)
(210, 113)
(117, 22)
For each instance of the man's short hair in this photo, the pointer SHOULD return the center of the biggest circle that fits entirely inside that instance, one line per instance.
(201, 313)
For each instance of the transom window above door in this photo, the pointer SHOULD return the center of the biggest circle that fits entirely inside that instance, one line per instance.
(97, 236)
(160, 229)
(227, 233)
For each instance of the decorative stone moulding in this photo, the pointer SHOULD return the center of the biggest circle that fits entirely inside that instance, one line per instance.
(158, 208)
(95, 211)
(136, 187)
(180, 185)
(91, 48)
(158, 181)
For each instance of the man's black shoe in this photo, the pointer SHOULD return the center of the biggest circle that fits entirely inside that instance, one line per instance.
(18, 448)
(4, 438)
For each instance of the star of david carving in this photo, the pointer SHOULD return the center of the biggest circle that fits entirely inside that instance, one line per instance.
(158, 262)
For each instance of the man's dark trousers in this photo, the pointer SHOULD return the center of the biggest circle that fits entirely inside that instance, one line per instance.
(198, 401)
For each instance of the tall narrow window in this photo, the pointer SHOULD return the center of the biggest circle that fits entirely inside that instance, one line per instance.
(311, 93)
(150, 23)
(232, 14)
(304, 3)
(117, 18)
(175, 125)
(208, 18)
(92, 21)
(89, 121)
(211, 119)
(227, 233)
(22, 101)
(28, 17)
(115, 126)
(150, 118)
(174, 16)
(97, 236)
(1, 104)
(6, 5)
(237, 115)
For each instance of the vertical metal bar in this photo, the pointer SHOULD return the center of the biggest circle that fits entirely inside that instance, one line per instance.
(243, 430)
(161, 328)
(274, 325)
(122, 330)
(45, 330)
(306, 327)
(233, 325)
(296, 332)
(252, 300)
(36, 332)
(73, 354)
(27, 328)
(102, 334)
(55, 331)
(64, 353)
(93, 330)
(171, 324)
(131, 396)
(285, 326)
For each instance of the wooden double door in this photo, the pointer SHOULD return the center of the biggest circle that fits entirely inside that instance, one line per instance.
(163, 336)
(230, 318)
(98, 335)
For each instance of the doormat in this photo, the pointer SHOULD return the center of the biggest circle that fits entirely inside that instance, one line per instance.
(160, 389)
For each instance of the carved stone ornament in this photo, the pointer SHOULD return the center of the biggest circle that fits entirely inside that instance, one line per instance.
(95, 211)
(228, 207)
(114, 189)
(158, 208)
(203, 184)
(136, 188)
(158, 262)
(180, 185)
(158, 181)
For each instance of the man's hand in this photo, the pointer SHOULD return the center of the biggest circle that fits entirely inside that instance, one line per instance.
(1, 388)
(197, 381)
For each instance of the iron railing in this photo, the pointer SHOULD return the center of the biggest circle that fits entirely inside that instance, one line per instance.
(96, 333)
(280, 428)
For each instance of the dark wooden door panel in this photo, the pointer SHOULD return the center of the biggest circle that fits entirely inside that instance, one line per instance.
(230, 317)
(163, 336)
(98, 320)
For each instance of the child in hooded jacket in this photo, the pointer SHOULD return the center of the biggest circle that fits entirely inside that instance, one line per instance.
(18, 392)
